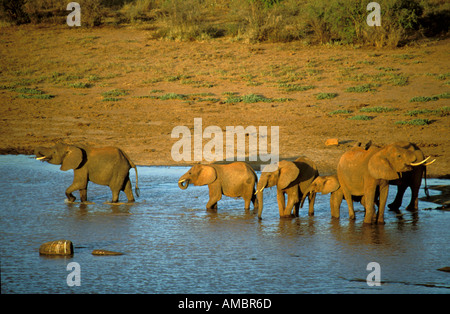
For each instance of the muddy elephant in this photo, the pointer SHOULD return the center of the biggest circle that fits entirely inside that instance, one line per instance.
(236, 179)
(292, 178)
(362, 171)
(105, 166)
(411, 179)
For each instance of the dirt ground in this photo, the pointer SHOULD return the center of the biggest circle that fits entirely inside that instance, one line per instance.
(113, 87)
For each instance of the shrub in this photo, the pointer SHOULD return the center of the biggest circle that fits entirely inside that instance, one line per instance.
(326, 95)
(12, 11)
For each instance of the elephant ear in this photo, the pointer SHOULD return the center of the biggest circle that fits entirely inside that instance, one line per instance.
(206, 175)
(289, 172)
(380, 167)
(330, 185)
(72, 158)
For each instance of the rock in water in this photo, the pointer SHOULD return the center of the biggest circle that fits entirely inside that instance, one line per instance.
(104, 252)
(59, 247)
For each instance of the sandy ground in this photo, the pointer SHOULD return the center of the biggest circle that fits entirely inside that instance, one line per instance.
(108, 87)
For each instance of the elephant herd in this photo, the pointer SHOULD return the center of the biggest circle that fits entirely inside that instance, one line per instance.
(363, 174)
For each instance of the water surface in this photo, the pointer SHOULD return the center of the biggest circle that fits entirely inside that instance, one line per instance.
(171, 244)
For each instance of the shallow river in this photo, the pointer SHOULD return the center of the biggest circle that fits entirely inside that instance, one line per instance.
(171, 244)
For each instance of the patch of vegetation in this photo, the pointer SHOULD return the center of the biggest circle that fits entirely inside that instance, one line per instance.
(111, 99)
(444, 76)
(397, 79)
(443, 95)
(26, 90)
(295, 87)
(441, 112)
(340, 111)
(115, 93)
(377, 109)
(43, 96)
(80, 85)
(361, 118)
(170, 96)
(423, 99)
(326, 95)
(362, 88)
(31, 93)
(252, 98)
(415, 122)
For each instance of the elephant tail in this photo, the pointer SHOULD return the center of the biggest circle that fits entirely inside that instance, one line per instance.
(132, 165)
(136, 189)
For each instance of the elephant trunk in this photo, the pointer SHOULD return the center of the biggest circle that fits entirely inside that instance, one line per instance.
(259, 195)
(305, 195)
(183, 183)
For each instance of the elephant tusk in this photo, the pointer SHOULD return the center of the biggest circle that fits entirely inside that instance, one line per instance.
(420, 162)
(39, 158)
(181, 181)
(429, 163)
(260, 190)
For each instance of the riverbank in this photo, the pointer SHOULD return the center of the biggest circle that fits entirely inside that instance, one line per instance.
(119, 87)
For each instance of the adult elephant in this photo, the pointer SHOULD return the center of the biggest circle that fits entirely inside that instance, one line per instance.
(411, 179)
(361, 171)
(105, 166)
(292, 178)
(236, 179)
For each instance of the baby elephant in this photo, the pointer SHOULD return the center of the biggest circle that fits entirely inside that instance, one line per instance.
(330, 184)
(105, 166)
(325, 185)
(237, 179)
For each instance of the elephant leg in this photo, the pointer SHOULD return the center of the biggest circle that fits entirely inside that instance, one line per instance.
(128, 190)
(296, 209)
(415, 187)
(348, 198)
(414, 203)
(395, 205)
(83, 195)
(335, 203)
(289, 206)
(74, 187)
(369, 200)
(384, 191)
(214, 197)
(281, 202)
